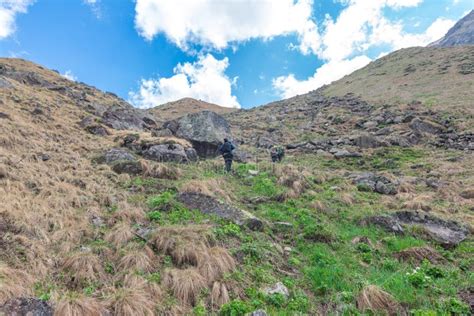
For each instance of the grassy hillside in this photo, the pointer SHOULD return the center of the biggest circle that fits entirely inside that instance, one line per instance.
(175, 109)
(89, 241)
(440, 78)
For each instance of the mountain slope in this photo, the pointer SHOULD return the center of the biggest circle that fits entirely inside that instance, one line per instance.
(461, 34)
(172, 110)
(440, 78)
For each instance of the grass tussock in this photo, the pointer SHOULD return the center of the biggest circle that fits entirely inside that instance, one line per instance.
(186, 284)
(374, 299)
(120, 234)
(185, 244)
(130, 301)
(219, 295)
(161, 171)
(419, 202)
(138, 260)
(14, 283)
(418, 254)
(217, 263)
(82, 267)
(211, 187)
(294, 178)
(78, 305)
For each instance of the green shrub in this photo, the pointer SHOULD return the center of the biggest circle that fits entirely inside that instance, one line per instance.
(164, 201)
(154, 216)
(235, 308)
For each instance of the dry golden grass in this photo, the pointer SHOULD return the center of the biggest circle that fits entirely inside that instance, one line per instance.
(138, 260)
(120, 234)
(14, 283)
(127, 213)
(211, 187)
(75, 304)
(419, 202)
(185, 244)
(374, 299)
(347, 198)
(131, 301)
(292, 177)
(319, 206)
(161, 171)
(131, 280)
(186, 284)
(82, 267)
(217, 262)
(219, 295)
(418, 254)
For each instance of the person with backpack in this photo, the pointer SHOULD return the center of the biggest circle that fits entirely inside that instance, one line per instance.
(226, 150)
(277, 153)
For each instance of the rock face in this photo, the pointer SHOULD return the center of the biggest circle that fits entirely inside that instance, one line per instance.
(369, 181)
(166, 152)
(278, 288)
(116, 154)
(209, 205)
(91, 125)
(425, 126)
(26, 306)
(447, 233)
(205, 130)
(462, 33)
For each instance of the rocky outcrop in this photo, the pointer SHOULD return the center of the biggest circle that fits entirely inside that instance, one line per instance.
(446, 233)
(462, 33)
(426, 126)
(168, 152)
(27, 306)
(211, 206)
(122, 161)
(93, 126)
(369, 181)
(205, 130)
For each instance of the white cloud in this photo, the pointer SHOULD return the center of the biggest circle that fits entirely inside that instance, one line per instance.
(218, 24)
(69, 75)
(95, 7)
(204, 79)
(288, 86)
(346, 41)
(8, 11)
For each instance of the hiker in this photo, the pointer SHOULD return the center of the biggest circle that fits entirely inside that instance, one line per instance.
(226, 151)
(277, 154)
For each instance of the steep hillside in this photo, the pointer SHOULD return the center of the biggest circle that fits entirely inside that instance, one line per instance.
(371, 210)
(441, 79)
(461, 34)
(172, 110)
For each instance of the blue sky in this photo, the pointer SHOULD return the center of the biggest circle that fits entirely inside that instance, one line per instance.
(230, 52)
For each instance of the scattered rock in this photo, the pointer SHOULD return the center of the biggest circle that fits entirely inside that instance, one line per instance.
(209, 205)
(133, 167)
(92, 125)
(425, 126)
(467, 296)
(242, 156)
(278, 288)
(124, 116)
(4, 116)
(116, 154)
(205, 130)
(447, 233)
(167, 152)
(369, 181)
(191, 154)
(467, 194)
(344, 153)
(26, 306)
(386, 222)
(366, 141)
(259, 312)
(4, 83)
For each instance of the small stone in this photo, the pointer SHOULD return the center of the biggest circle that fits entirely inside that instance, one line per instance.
(259, 312)
(278, 288)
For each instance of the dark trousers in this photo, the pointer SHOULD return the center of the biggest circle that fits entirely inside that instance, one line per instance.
(228, 164)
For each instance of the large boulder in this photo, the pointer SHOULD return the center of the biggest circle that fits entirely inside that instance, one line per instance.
(127, 117)
(26, 306)
(369, 181)
(122, 161)
(167, 152)
(116, 154)
(447, 233)
(426, 126)
(205, 130)
(209, 205)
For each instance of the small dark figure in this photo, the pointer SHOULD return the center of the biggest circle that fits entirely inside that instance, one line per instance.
(226, 151)
(277, 154)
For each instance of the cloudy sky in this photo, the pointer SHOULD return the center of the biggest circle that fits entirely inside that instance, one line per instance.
(236, 53)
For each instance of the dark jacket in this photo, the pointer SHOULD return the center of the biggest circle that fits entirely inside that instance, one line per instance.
(226, 150)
